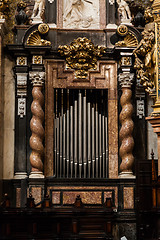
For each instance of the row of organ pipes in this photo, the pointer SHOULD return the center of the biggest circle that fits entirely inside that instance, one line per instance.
(80, 133)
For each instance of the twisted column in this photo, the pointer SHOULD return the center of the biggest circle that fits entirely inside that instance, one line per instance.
(36, 125)
(125, 134)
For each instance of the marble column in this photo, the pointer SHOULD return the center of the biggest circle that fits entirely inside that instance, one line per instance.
(127, 125)
(36, 125)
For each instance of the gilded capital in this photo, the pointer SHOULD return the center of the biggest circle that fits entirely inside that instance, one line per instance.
(37, 78)
(126, 79)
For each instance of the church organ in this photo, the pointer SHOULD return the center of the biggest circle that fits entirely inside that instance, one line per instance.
(79, 132)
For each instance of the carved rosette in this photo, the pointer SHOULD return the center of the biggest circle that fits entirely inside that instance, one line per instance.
(127, 141)
(36, 124)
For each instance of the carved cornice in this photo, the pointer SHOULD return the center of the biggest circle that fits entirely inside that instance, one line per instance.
(82, 55)
(126, 79)
(37, 78)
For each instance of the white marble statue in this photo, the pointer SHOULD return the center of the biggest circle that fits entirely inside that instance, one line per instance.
(38, 10)
(124, 11)
(75, 15)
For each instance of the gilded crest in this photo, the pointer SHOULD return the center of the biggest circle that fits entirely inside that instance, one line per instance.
(82, 55)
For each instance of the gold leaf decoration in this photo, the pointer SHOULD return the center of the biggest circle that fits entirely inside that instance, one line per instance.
(129, 40)
(145, 56)
(35, 39)
(81, 55)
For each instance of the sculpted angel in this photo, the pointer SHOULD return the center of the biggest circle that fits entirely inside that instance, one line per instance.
(73, 13)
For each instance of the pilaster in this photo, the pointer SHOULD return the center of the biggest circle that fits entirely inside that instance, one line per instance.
(21, 74)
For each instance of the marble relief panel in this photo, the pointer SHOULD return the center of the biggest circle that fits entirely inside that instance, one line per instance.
(81, 14)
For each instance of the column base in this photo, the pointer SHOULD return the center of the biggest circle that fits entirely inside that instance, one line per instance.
(20, 175)
(36, 175)
(126, 175)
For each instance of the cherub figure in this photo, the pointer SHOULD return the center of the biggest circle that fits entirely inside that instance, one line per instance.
(38, 9)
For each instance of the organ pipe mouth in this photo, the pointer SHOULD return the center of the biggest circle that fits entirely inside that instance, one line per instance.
(81, 133)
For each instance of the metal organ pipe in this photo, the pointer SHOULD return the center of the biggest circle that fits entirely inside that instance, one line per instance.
(80, 134)
(85, 135)
(75, 138)
(89, 139)
(67, 133)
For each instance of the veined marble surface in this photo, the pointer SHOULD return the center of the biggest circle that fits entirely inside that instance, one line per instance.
(81, 14)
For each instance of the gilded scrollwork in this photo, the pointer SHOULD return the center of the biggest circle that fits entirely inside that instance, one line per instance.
(145, 56)
(82, 55)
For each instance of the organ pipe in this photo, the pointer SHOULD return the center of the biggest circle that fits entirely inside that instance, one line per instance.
(80, 134)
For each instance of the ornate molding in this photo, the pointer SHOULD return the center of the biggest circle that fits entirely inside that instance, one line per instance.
(126, 79)
(21, 93)
(81, 55)
(21, 107)
(22, 84)
(36, 123)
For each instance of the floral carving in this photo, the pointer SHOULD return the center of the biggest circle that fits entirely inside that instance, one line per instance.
(81, 55)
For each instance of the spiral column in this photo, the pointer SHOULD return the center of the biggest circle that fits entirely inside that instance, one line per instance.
(127, 125)
(36, 125)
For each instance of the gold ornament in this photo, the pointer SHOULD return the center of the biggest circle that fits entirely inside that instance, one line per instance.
(43, 28)
(129, 40)
(145, 58)
(82, 55)
(35, 39)
(4, 8)
(122, 30)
